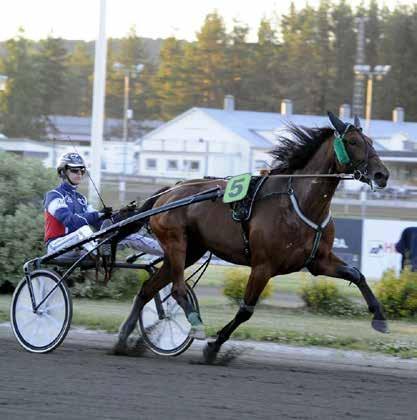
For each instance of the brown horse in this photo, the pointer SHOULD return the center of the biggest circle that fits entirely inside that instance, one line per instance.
(290, 227)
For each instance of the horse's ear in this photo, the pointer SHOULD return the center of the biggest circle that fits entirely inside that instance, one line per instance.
(337, 123)
(357, 122)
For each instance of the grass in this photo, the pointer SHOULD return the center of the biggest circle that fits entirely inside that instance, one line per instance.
(269, 323)
(288, 283)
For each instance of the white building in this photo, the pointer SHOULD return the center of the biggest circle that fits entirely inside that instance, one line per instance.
(116, 154)
(67, 134)
(211, 142)
(220, 142)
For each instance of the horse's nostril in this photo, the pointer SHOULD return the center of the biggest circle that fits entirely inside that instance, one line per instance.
(379, 176)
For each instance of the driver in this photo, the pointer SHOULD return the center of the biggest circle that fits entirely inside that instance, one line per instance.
(69, 218)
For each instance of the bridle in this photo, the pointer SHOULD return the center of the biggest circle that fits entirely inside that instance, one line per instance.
(358, 168)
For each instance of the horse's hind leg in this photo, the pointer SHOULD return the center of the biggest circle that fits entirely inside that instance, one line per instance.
(335, 267)
(258, 279)
(146, 293)
(176, 256)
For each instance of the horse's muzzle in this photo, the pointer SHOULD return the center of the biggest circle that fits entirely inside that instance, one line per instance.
(381, 179)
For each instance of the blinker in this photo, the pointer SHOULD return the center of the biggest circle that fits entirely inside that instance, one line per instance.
(340, 150)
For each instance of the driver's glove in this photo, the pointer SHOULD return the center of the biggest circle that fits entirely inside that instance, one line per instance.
(106, 212)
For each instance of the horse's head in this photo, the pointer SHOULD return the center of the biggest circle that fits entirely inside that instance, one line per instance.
(355, 153)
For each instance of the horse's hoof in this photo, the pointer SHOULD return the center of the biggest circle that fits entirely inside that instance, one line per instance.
(197, 332)
(119, 349)
(209, 353)
(380, 325)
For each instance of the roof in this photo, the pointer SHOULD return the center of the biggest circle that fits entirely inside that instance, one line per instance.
(79, 128)
(23, 145)
(258, 127)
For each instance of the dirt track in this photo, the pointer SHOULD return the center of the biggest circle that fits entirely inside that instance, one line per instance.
(80, 380)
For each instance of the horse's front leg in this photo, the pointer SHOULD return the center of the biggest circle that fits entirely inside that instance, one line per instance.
(146, 293)
(258, 279)
(333, 266)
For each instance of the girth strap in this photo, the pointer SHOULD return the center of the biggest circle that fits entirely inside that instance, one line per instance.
(319, 228)
(245, 237)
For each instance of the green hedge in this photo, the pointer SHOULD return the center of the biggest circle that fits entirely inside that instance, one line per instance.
(323, 296)
(124, 285)
(235, 285)
(398, 294)
(23, 183)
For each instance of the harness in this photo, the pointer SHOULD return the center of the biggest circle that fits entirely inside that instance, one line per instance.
(319, 228)
(242, 210)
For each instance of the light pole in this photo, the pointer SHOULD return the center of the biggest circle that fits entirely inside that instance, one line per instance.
(128, 72)
(97, 116)
(379, 72)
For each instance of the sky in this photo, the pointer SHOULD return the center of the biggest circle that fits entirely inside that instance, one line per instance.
(78, 19)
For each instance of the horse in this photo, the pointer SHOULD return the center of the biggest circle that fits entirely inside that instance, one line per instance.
(290, 228)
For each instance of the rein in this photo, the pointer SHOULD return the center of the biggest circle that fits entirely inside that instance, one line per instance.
(340, 176)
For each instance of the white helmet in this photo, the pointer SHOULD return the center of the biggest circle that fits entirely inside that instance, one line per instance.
(69, 160)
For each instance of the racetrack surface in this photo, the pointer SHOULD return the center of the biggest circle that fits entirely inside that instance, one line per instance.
(81, 380)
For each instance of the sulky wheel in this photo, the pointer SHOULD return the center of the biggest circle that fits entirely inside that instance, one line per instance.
(43, 331)
(164, 325)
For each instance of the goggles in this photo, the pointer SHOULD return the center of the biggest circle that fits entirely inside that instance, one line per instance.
(77, 170)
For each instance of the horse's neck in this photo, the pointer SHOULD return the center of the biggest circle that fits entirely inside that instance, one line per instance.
(314, 195)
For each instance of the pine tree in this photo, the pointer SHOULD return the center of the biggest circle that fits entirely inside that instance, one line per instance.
(21, 102)
(398, 48)
(373, 33)
(323, 58)
(265, 84)
(344, 47)
(301, 59)
(170, 81)
(239, 58)
(77, 98)
(209, 63)
(51, 69)
(130, 55)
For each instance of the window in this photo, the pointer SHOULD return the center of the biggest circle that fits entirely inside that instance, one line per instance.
(172, 165)
(150, 163)
(191, 165)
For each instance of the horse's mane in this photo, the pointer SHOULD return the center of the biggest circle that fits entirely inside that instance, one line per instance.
(294, 152)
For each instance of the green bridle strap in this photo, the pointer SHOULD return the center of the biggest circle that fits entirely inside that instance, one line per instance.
(340, 149)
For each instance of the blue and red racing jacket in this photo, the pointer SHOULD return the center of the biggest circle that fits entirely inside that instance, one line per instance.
(66, 210)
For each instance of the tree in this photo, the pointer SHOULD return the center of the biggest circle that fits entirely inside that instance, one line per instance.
(170, 82)
(129, 53)
(208, 64)
(23, 183)
(239, 58)
(343, 46)
(21, 102)
(301, 59)
(265, 80)
(373, 33)
(51, 70)
(325, 58)
(77, 97)
(398, 48)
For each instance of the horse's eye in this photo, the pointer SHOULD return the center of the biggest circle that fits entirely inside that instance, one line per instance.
(352, 142)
